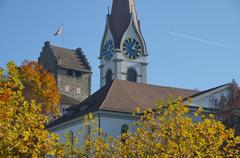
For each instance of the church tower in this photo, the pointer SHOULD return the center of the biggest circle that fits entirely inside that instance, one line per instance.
(123, 53)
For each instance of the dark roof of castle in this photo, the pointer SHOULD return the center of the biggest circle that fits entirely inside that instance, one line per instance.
(70, 59)
(120, 17)
(123, 96)
(69, 100)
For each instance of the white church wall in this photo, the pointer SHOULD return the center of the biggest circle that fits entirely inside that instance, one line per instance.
(112, 124)
(75, 127)
(62, 133)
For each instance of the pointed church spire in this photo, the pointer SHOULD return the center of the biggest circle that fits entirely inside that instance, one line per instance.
(119, 20)
(125, 5)
(108, 10)
(123, 53)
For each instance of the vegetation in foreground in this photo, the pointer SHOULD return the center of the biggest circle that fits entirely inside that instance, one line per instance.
(28, 95)
(166, 131)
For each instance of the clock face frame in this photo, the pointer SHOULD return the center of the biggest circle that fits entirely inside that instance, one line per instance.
(108, 50)
(132, 48)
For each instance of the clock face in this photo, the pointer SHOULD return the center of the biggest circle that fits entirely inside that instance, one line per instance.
(132, 48)
(108, 50)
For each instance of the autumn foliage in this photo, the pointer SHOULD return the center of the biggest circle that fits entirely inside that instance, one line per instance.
(40, 85)
(22, 123)
(228, 107)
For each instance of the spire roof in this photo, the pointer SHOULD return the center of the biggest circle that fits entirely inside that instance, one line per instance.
(120, 18)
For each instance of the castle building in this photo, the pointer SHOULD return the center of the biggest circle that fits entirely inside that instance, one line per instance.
(123, 78)
(72, 72)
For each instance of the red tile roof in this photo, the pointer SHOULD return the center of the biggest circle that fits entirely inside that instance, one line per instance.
(123, 96)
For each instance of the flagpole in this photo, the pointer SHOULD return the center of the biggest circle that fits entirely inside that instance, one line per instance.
(59, 32)
(63, 35)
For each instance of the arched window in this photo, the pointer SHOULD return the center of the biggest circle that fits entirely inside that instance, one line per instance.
(132, 75)
(71, 137)
(124, 128)
(108, 76)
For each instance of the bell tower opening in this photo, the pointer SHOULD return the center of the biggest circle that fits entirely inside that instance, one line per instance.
(109, 76)
(132, 75)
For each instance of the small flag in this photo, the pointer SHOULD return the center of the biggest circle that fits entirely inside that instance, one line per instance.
(59, 31)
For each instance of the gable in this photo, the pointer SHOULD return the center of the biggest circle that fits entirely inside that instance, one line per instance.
(204, 99)
(70, 59)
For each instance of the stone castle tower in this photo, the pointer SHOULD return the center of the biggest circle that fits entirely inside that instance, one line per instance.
(72, 73)
(123, 53)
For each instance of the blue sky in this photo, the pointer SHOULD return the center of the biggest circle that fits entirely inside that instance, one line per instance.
(192, 43)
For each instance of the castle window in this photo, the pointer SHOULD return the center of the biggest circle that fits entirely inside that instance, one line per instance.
(64, 111)
(109, 76)
(67, 88)
(70, 72)
(78, 90)
(132, 75)
(78, 74)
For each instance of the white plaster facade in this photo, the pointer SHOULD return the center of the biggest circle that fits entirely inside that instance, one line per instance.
(110, 122)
